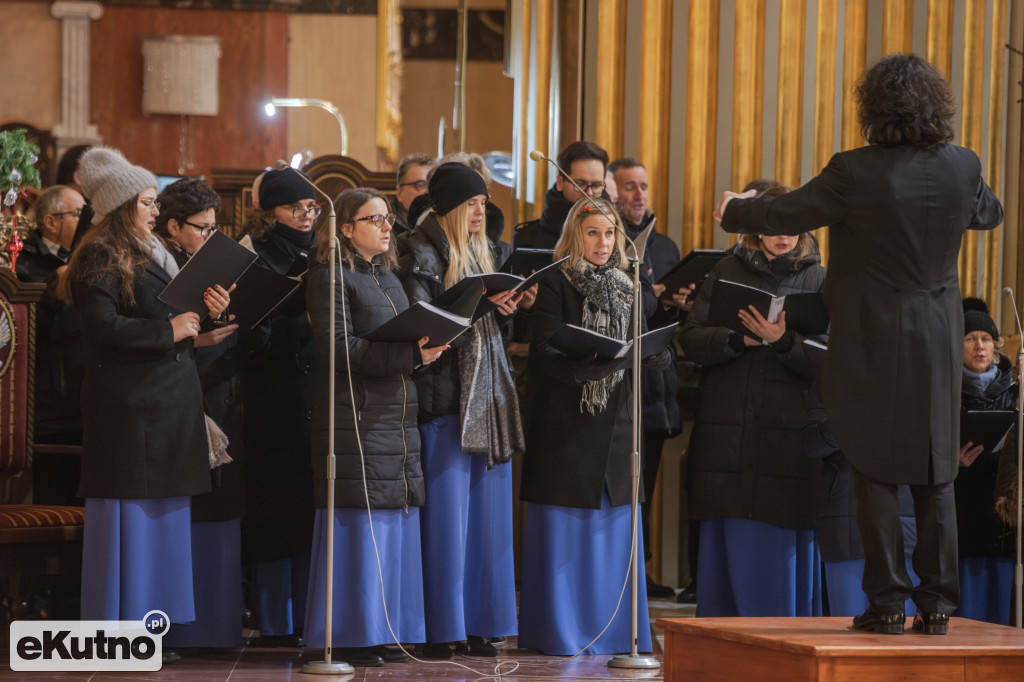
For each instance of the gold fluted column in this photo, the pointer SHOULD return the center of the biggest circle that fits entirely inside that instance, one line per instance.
(824, 97)
(655, 103)
(699, 146)
(939, 36)
(996, 141)
(970, 124)
(747, 92)
(611, 80)
(542, 97)
(523, 208)
(855, 25)
(897, 26)
(789, 118)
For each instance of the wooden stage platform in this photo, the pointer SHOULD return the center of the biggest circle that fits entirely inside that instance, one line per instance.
(828, 649)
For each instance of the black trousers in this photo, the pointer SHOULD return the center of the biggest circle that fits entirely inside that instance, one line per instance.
(886, 582)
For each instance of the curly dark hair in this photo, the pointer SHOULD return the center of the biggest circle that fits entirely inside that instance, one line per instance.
(183, 199)
(903, 99)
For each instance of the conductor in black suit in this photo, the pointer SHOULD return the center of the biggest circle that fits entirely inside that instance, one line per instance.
(897, 210)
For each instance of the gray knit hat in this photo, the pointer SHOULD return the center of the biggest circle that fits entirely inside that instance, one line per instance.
(110, 180)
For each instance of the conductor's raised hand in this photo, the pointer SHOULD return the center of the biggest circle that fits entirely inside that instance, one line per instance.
(728, 196)
(755, 322)
(428, 355)
(217, 299)
(184, 326)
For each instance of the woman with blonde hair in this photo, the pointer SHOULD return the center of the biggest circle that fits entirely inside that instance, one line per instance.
(469, 426)
(576, 472)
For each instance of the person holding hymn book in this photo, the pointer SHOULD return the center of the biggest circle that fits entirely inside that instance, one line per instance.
(987, 545)
(376, 440)
(145, 450)
(576, 472)
(469, 426)
(187, 219)
(751, 486)
(281, 379)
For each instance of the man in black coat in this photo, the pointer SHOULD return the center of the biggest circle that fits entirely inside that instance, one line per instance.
(897, 211)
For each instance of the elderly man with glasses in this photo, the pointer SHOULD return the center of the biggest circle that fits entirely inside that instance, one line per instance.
(48, 247)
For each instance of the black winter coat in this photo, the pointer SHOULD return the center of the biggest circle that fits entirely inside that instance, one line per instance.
(572, 457)
(144, 434)
(281, 381)
(385, 393)
(422, 266)
(981, 531)
(746, 456)
(896, 217)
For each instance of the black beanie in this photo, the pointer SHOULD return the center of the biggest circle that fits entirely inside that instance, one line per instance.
(977, 321)
(284, 187)
(453, 184)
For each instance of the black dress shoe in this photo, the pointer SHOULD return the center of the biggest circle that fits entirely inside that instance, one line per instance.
(390, 655)
(931, 623)
(882, 623)
(292, 640)
(476, 646)
(360, 656)
(687, 596)
(436, 650)
(656, 591)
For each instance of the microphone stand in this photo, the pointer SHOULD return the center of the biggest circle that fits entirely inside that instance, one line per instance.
(633, 659)
(326, 666)
(1018, 570)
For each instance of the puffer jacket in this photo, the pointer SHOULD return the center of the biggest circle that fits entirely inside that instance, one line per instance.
(981, 531)
(385, 394)
(422, 266)
(746, 456)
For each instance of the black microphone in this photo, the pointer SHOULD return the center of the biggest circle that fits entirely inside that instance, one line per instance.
(537, 157)
(1008, 293)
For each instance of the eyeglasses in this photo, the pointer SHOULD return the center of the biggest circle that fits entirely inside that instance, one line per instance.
(204, 230)
(591, 188)
(378, 219)
(419, 185)
(150, 204)
(77, 213)
(300, 212)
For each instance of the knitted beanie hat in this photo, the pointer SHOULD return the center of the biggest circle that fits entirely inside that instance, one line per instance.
(453, 184)
(110, 180)
(976, 318)
(283, 187)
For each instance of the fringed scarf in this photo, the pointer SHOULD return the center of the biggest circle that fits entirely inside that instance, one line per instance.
(488, 403)
(607, 309)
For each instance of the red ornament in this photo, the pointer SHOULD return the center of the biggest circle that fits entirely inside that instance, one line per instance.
(14, 247)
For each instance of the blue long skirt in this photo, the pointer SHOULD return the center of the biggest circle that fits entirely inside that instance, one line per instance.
(574, 567)
(279, 592)
(846, 596)
(986, 584)
(358, 615)
(217, 583)
(749, 568)
(466, 524)
(137, 557)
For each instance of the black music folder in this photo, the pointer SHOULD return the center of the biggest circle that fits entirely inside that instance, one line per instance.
(442, 320)
(692, 269)
(805, 312)
(576, 342)
(524, 261)
(221, 261)
(259, 292)
(986, 427)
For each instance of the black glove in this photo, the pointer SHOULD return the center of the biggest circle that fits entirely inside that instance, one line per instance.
(660, 361)
(592, 369)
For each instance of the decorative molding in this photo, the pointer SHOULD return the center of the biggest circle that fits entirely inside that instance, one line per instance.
(389, 78)
(74, 127)
(431, 34)
(296, 6)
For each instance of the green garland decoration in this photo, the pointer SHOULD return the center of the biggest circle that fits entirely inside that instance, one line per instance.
(18, 157)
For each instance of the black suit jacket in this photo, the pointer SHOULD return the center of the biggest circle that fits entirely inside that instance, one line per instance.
(896, 217)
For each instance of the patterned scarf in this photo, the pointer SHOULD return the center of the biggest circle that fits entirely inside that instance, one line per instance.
(607, 309)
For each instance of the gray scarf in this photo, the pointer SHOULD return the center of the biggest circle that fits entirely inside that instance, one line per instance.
(607, 309)
(488, 403)
(161, 256)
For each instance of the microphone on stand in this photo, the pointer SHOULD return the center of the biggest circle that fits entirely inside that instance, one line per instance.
(1018, 571)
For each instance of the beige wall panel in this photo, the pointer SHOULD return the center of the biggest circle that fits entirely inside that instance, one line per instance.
(655, 95)
(995, 143)
(747, 92)
(970, 123)
(523, 208)
(824, 97)
(699, 147)
(897, 26)
(31, 78)
(611, 64)
(789, 117)
(939, 35)
(334, 58)
(543, 177)
(854, 60)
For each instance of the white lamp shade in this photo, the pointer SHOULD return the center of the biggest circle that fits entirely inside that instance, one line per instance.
(180, 75)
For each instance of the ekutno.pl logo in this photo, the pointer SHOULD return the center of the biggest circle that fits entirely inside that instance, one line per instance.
(101, 645)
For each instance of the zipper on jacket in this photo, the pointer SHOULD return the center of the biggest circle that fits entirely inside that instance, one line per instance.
(405, 403)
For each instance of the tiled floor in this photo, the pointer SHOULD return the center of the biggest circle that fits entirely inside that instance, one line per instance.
(258, 664)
